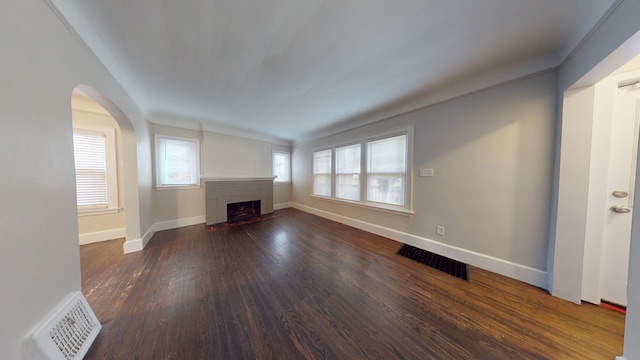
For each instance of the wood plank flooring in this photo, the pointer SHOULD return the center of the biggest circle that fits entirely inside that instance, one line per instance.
(296, 286)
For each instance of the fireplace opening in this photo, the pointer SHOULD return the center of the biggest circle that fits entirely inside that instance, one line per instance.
(242, 211)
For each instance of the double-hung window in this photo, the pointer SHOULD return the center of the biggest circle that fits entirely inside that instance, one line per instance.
(387, 170)
(177, 162)
(96, 170)
(322, 172)
(348, 172)
(373, 171)
(281, 162)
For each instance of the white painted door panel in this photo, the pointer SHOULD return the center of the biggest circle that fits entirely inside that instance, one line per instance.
(617, 231)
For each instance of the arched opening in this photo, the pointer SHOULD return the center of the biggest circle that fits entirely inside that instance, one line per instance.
(99, 171)
(126, 218)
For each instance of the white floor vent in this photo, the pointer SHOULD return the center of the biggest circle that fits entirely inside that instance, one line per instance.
(66, 334)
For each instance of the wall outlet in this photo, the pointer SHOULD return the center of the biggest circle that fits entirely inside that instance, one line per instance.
(426, 172)
(440, 230)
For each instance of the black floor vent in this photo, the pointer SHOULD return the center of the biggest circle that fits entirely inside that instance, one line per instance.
(438, 262)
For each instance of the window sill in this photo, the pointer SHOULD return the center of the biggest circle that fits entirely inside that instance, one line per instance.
(94, 212)
(177, 187)
(368, 206)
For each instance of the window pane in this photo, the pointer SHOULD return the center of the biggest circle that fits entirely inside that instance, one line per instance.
(322, 162)
(348, 172)
(322, 185)
(281, 167)
(386, 170)
(386, 188)
(177, 162)
(322, 173)
(388, 155)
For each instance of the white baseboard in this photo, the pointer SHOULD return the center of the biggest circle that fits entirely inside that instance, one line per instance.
(621, 358)
(519, 272)
(97, 236)
(173, 224)
(282, 206)
(139, 244)
(134, 245)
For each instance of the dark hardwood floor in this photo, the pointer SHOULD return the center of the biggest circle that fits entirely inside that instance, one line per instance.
(296, 286)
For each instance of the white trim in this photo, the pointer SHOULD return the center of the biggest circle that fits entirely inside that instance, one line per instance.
(176, 223)
(282, 206)
(94, 212)
(104, 235)
(369, 205)
(621, 358)
(139, 244)
(134, 245)
(519, 272)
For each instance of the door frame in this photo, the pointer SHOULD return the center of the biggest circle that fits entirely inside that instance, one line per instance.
(603, 107)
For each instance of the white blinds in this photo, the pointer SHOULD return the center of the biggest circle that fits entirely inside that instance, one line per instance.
(322, 172)
(91, 168)
(386, 170)
(348, 172)
(177, 161)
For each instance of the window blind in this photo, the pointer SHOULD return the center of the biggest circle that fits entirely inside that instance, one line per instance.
(348, 172)
(322, 172)
(91, 169)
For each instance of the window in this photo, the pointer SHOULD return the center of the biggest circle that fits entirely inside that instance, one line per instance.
(96, 170)
(281, 162)
(348, 172)
(322, 172)
(386, 170)
(177, 161)
(387, 159)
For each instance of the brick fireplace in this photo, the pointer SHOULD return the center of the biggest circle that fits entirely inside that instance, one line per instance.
(220, 192)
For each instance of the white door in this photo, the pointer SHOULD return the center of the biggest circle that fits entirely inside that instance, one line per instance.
(622, 165)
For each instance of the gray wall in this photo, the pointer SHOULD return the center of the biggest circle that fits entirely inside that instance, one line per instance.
(42, 63)
(492, 154)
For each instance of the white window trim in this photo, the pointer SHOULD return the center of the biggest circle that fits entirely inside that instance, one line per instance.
(407, 208)
(196, 184)
(288, 153)
(112, 172)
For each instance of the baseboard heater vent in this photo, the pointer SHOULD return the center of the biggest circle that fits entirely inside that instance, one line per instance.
(438, 262)
(67, 333)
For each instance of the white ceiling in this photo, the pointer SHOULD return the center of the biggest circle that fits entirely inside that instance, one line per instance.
(289, 68)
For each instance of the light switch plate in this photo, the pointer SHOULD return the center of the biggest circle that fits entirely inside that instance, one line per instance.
(426, 172)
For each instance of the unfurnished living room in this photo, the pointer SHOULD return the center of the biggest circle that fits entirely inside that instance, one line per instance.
(322, 179)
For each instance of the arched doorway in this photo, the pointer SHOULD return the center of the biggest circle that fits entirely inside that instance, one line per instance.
(128, 167)
(99, 171)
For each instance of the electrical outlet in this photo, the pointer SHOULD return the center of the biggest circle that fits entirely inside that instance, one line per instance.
(440, 230)
(426, 172)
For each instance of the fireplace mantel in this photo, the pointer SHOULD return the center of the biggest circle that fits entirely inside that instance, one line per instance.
(220, 191)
